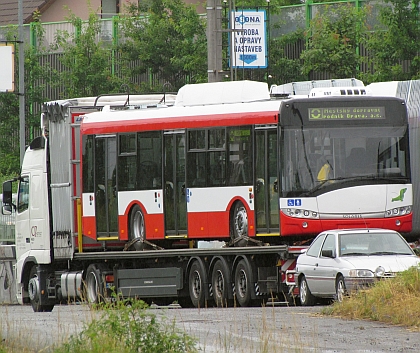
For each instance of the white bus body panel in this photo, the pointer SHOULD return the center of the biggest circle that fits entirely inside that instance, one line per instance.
(216, 199)
(368, 200)
(151, 200)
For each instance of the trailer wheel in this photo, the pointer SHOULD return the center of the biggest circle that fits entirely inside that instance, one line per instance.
(220, 284)
(94, 285)
(243, 284)
(137, 228)
(196, 285)
(239, 225)
(34, 293)
(305, 295)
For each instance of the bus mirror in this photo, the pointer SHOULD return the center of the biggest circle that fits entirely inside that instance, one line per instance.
(7, 192)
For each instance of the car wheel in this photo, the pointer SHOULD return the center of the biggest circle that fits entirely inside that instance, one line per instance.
(305, 295)
(340, 288)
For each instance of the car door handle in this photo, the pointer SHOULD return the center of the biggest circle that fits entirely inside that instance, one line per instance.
(316, 265)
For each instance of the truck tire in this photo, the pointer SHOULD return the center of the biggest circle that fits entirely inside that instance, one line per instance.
(94, 285)
(243, 283)
(196, 285)
(220, 281)
(305, 295)
(239, 225)
(137, 228)
(34, 292)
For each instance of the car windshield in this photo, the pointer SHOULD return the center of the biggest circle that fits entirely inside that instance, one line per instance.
(367, 244)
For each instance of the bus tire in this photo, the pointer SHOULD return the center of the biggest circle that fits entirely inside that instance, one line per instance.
(137, 229)
(239, 225)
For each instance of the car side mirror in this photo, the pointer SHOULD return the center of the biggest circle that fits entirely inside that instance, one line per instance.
(327, 253)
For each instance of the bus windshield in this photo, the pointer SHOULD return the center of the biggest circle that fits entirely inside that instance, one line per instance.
(317, 157)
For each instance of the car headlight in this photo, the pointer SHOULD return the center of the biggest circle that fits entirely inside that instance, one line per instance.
(300, 213)
(380, 272)
(398, 211)
(361, 273)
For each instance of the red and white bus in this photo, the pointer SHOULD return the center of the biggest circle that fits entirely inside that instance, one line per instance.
(228, 162)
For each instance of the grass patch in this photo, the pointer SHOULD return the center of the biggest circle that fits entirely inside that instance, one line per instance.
(128, 327)
(394, 301)
(118, 327)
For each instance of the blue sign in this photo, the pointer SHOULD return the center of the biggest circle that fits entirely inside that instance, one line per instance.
(294, 202)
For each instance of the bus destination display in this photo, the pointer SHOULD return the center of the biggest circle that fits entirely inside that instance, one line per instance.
(346, 113)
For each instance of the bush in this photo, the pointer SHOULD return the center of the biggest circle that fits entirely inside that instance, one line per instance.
(394, 301)
(128, 327)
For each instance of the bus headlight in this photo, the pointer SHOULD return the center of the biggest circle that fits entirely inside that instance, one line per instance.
(300, 213)
(398, 211)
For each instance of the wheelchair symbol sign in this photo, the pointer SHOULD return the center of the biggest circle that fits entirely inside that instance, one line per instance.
(294, 202)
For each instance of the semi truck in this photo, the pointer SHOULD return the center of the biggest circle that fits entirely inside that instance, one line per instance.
(206, 197)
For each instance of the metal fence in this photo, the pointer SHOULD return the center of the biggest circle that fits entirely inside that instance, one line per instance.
(7, 226)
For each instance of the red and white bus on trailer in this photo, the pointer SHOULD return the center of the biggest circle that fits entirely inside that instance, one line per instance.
(226, 162)
(221, 168)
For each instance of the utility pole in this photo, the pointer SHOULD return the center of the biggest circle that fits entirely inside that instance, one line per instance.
(214, 41)
(21, 89)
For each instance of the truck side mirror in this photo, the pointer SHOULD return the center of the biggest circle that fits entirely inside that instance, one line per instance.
(7, 192)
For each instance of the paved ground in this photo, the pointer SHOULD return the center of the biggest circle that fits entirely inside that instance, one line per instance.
(233, 330)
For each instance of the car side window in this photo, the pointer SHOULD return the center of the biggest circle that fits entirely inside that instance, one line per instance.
(316, 246)
(329, 243)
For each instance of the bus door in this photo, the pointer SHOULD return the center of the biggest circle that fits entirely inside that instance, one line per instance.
(266, 195)
(106, 208)
(175, 202)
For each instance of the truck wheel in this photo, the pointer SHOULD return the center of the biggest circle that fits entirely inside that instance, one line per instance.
(305, 295)
(137, 228)
(239, 225)
(94, 285)
(34, 292)
(243, 284)
(220, 283)
(196, 285)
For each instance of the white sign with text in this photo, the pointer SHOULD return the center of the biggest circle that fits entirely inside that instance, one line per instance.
(248, 39)
(7, 68)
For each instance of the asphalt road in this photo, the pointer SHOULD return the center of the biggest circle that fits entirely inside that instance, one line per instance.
(233, 330)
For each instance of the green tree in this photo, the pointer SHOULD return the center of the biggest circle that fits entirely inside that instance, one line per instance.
(395, 42)
(86, 60)
(333, 39)
(168, 40)
(282, 68)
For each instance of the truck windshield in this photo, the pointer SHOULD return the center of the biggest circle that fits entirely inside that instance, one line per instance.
(311, 157)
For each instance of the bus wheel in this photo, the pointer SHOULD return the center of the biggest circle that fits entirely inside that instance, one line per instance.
(220, 284)
(137, 229)
(196, 285)
(243, 284)
(239, 225)
(34, 293)
(94, 285)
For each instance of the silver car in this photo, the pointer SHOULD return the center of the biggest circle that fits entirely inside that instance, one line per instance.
(340, 261)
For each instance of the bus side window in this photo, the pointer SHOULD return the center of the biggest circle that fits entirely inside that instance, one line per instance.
(240, 167)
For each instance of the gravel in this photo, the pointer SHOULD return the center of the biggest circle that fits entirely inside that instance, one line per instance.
(230, 330)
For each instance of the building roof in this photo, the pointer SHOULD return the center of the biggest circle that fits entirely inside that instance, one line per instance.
(9, 10)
